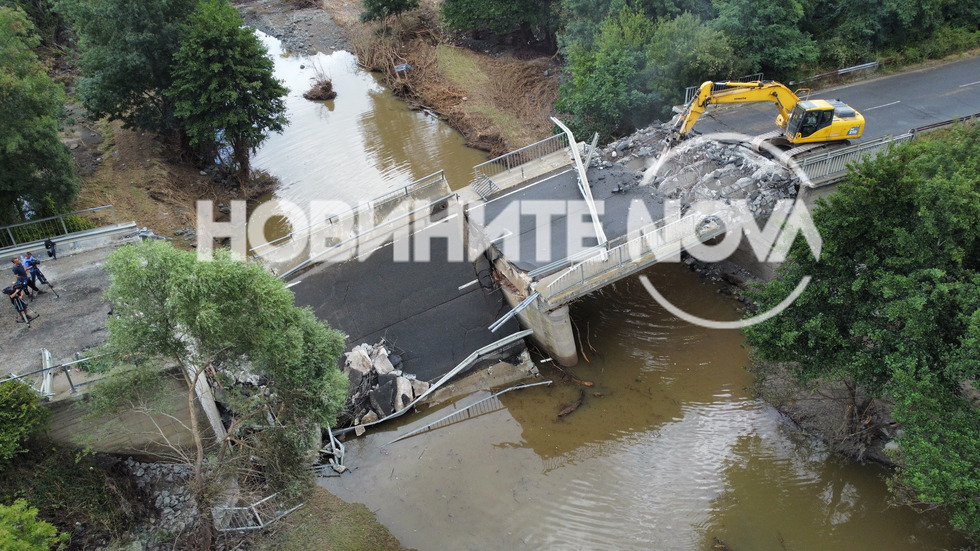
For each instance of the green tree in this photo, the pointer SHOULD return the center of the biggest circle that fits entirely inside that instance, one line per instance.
(127, 51)
(894, 307)
(224, 88)
(47, 22)
(685, 52)
(21, 531)
(580, 21)
(766, 35)
(605, 91)
(380, 9)
(501, 16)
(21, 417)
(37, 174)
(212, 317)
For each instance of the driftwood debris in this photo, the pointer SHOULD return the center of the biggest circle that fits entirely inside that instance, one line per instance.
(569, 409)
(322, 90)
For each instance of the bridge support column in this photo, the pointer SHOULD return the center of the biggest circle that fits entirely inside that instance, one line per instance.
(552, 331)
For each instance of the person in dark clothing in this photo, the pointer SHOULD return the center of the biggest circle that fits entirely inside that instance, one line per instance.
(15, 292)
(22, 277)
(51, 247)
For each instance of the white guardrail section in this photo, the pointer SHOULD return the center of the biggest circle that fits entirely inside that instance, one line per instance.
(644, 246)
(520, 156)
(342, 219)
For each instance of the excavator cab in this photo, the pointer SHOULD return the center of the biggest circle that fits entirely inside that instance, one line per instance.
(822, 120)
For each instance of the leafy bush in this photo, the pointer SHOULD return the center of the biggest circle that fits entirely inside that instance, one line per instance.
(21, 417)
(21, 531)
(605, 91)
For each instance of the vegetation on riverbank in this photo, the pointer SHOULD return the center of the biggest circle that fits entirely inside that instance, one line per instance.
(625, 65)
(893, 312)
(498, 102)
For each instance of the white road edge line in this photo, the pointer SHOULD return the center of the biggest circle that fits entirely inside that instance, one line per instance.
(969, 84)
(885, 105)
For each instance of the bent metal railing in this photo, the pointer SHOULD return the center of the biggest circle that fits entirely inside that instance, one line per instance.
(253, 517)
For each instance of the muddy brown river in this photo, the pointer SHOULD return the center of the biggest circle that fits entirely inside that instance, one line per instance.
(361, 144)
(669, 449)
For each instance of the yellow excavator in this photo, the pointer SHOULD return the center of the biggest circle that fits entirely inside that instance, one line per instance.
(801, 120)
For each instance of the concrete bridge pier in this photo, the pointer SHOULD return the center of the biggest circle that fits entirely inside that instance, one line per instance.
(552, 328)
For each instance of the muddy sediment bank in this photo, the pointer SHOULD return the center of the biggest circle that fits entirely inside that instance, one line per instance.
(303, 30)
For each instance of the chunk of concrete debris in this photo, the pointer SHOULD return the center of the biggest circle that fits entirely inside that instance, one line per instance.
(383, 398)
(354, 378)
(359, 429)
(381, 363)
(358, 360)
(369, 417)
(419, 387)
(403, 393)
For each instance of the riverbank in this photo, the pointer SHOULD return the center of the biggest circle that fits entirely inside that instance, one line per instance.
(499, 100)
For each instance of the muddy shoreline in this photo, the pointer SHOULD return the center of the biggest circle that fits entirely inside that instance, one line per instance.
(305, 30)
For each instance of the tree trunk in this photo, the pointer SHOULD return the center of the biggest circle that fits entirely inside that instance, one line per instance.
(241, 155)
(205, 525)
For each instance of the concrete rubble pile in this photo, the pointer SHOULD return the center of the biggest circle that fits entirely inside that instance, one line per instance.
(697, 169)
(378, 388)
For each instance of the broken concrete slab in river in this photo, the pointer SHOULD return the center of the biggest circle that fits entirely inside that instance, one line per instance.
(377, 396)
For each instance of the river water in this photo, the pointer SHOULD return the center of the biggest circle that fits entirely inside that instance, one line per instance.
(359, 145)
(669, 449)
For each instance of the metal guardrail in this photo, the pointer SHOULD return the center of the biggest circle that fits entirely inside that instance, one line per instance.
(365, 237)
(950, 122)
(647, 244)
(253, 517)
(489, 404)
(47, 370)
(690, 91)
(520, 156)
(835, 162)
(832, 165)
(864, 66)
(378, 204)
(54, 226)
(461, 366)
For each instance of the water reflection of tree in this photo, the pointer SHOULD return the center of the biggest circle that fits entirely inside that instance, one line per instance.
(791, 493)
(395, 140)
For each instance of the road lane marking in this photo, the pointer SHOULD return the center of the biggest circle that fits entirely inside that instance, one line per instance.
(880, 106)
(969, 84)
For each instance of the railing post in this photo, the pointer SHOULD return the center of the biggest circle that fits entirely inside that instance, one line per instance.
(68, 376)
(12, 240)
(61, 218)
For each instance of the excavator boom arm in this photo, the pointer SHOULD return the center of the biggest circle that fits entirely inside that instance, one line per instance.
(736, 92)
